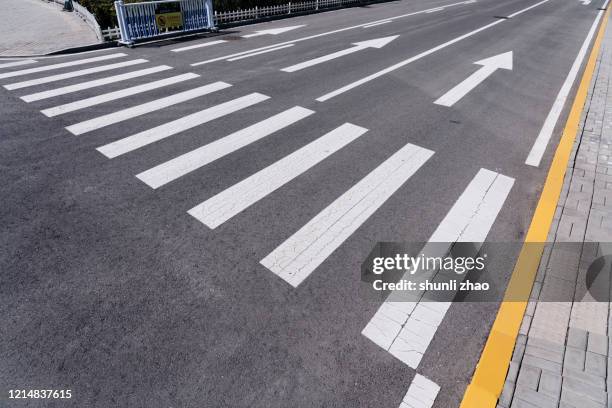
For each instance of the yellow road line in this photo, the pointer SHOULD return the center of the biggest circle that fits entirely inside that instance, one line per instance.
(490, 375)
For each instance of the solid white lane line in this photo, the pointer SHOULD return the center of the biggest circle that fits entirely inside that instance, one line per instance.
(296, 258)
(192, 47)
(421, 394)
(193, 160)
(160, 132)
(73, 74)
(228, 203)
(406, 328)
(526, 9)
(377, 24)
(358, 46)
(112, 96)
(60, 65)
(92, 84)
(134, 111)
(417, 57)
(260, 52)
(17, 63)
(539, 146)
(310, 37)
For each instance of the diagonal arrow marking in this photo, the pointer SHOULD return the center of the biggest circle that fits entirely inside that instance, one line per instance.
(489, 66)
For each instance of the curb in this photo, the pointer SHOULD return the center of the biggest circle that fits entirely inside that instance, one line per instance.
(68, 51)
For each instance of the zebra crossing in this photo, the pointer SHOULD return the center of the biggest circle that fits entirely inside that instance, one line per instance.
(404, 329)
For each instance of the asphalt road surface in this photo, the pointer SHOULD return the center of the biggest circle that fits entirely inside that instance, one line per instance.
(138, 271)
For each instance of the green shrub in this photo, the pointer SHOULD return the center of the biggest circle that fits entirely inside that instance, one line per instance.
(104, 10)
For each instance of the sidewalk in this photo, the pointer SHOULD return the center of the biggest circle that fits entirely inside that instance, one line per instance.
(562, 357)
(37, 27)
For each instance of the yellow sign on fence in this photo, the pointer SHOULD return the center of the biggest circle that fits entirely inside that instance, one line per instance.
(169, 20)
(168, 16)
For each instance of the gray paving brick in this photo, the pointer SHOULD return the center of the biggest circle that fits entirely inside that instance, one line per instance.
(538, 342)
(513, 371)
(593, 379)
(528, 377)
(584, 388)
(505, 399)
(574, 358)
(595, 364)
(538, 399)
(556, 289)
(545, 353)
(550, 384)
(598, 343)
(535, 291)
(519, 403)
(525, 324)
(530, 309)
(578, 400)
(577, 338)
(519, 351)
(541, 363)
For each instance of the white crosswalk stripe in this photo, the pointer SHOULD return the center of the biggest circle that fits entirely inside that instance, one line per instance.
(111, 96)
(405, 327)
(155, 134)
(60, 65)
(16, 63)
(192, 47)
(296, 258)
(129, 113)
(188, 162)
(93, 84)
(421, 394)
(225, 205)
(73, 74)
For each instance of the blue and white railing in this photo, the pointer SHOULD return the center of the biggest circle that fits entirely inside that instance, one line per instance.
(138, 21)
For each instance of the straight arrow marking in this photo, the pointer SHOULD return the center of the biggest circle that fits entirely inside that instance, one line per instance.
(489, 66)
(319, 35)
(273, 31)
(358, 46)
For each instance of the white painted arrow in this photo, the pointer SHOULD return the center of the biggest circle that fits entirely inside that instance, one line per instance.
(358, 46)
(272, 31)
(489, 66)
(586, 2)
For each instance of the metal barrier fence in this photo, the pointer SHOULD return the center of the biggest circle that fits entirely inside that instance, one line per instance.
(157, 18)
(270, 11)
